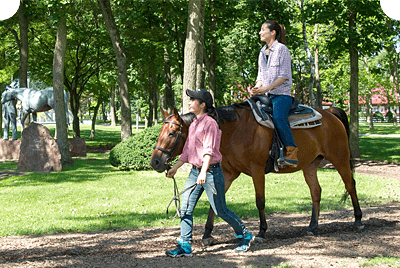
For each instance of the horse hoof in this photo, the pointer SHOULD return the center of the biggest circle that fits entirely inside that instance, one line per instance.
(208, 241)
(358, 228)
(259, 239)
(307, 232)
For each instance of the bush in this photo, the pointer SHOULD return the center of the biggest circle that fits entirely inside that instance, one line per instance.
(378, 117)
(135, 152)
(389, 117)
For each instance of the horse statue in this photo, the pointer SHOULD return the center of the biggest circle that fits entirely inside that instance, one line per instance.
(33, 100)
(245, 147)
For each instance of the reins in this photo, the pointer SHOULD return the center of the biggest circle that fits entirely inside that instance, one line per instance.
(177, 199)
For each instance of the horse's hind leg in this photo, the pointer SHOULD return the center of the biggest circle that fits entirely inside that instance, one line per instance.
(346, 173)
(310, 175)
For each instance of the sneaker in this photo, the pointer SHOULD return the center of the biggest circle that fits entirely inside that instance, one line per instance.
(183, 249)
(244, 242)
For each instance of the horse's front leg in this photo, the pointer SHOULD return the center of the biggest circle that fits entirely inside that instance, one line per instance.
(24, 115)
(208, 240)
(259, 186)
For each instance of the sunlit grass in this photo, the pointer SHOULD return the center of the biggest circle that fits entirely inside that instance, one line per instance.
(394, 261)
(93, 196)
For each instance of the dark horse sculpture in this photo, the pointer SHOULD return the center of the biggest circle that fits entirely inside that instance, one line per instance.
(245, 146)
(33, 100)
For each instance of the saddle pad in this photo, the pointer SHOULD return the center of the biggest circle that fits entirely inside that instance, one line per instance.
(296, 121)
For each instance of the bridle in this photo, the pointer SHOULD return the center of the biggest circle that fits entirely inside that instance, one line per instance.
(171, 152)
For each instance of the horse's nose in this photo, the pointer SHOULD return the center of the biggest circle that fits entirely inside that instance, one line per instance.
(154, 163)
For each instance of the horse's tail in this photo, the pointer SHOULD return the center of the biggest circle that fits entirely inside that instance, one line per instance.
(342, 116)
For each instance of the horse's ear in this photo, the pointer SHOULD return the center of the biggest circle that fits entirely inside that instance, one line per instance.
(175, 112)
(164, 113)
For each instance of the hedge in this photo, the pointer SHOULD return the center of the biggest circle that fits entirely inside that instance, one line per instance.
(135, 152)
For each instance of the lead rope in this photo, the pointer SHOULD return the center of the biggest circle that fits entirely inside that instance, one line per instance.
(177, 194)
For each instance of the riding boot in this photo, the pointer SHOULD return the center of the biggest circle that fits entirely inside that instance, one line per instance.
(291, 156)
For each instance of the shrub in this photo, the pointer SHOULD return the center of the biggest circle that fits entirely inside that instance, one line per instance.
(135, 152)
(378, 117)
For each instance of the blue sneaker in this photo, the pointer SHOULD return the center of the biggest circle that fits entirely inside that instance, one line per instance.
(244, 242)
(183, 249)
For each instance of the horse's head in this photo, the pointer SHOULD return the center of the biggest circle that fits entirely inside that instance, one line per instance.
(6, 95)
(170, 141)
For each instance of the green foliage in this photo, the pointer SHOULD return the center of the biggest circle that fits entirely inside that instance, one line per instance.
(135, 152)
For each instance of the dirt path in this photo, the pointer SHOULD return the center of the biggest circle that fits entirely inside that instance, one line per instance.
(336, 245)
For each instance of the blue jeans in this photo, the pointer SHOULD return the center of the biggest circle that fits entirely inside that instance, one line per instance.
(216, 178)
(281, 105)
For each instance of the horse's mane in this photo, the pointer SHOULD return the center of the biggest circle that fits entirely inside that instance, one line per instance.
(224, 113)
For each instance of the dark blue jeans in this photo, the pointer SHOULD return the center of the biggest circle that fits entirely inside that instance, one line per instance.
(281, 106)
(216, 178)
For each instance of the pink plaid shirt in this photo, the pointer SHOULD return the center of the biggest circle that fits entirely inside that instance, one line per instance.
(204, 138)
(278, 66)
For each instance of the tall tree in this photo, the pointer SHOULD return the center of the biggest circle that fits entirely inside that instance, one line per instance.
(191, 46)
(353, 49)
(126, 121)
(58, 91)
(23, 44)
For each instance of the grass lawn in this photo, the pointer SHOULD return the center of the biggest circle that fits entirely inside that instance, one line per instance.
(92, 196)
(379, 128)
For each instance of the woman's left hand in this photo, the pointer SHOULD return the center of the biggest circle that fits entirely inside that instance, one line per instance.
(258, 90)
(201, 179)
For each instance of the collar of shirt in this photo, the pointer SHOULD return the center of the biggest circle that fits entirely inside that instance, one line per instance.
(199, 120)
(274, 45)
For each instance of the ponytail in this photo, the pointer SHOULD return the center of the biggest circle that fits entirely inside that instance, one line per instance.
(212, 112)
(278, 28)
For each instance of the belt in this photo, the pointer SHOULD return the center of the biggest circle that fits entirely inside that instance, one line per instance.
(216, 165)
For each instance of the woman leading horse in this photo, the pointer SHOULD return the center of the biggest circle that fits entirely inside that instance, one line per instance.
(245, 146)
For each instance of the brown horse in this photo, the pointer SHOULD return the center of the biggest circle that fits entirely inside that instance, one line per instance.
(245, 149)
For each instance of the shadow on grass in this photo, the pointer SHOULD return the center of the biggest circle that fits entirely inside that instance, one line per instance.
(378, 148)
(83, 169)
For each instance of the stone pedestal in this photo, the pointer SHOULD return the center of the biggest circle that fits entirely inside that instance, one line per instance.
(9, 149)
(39, 151)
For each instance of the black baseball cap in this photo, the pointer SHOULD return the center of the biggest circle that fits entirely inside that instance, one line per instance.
(202, 95)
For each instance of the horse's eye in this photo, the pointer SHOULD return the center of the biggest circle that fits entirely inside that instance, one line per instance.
(171, 134)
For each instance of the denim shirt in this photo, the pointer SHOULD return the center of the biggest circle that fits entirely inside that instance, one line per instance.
(276, 65)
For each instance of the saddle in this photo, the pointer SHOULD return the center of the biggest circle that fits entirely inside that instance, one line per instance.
(300, 116)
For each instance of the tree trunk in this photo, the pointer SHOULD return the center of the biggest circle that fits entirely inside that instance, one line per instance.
(200, 75)
(126, 120)
(316, 61)
(75, 106)
(169, 101)
(112, 107)
(191, 45)
(96, 110)
(310, 58)
(23, 51)
(210, 58)
(58, 91)
(368, 98)
(354, 139)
